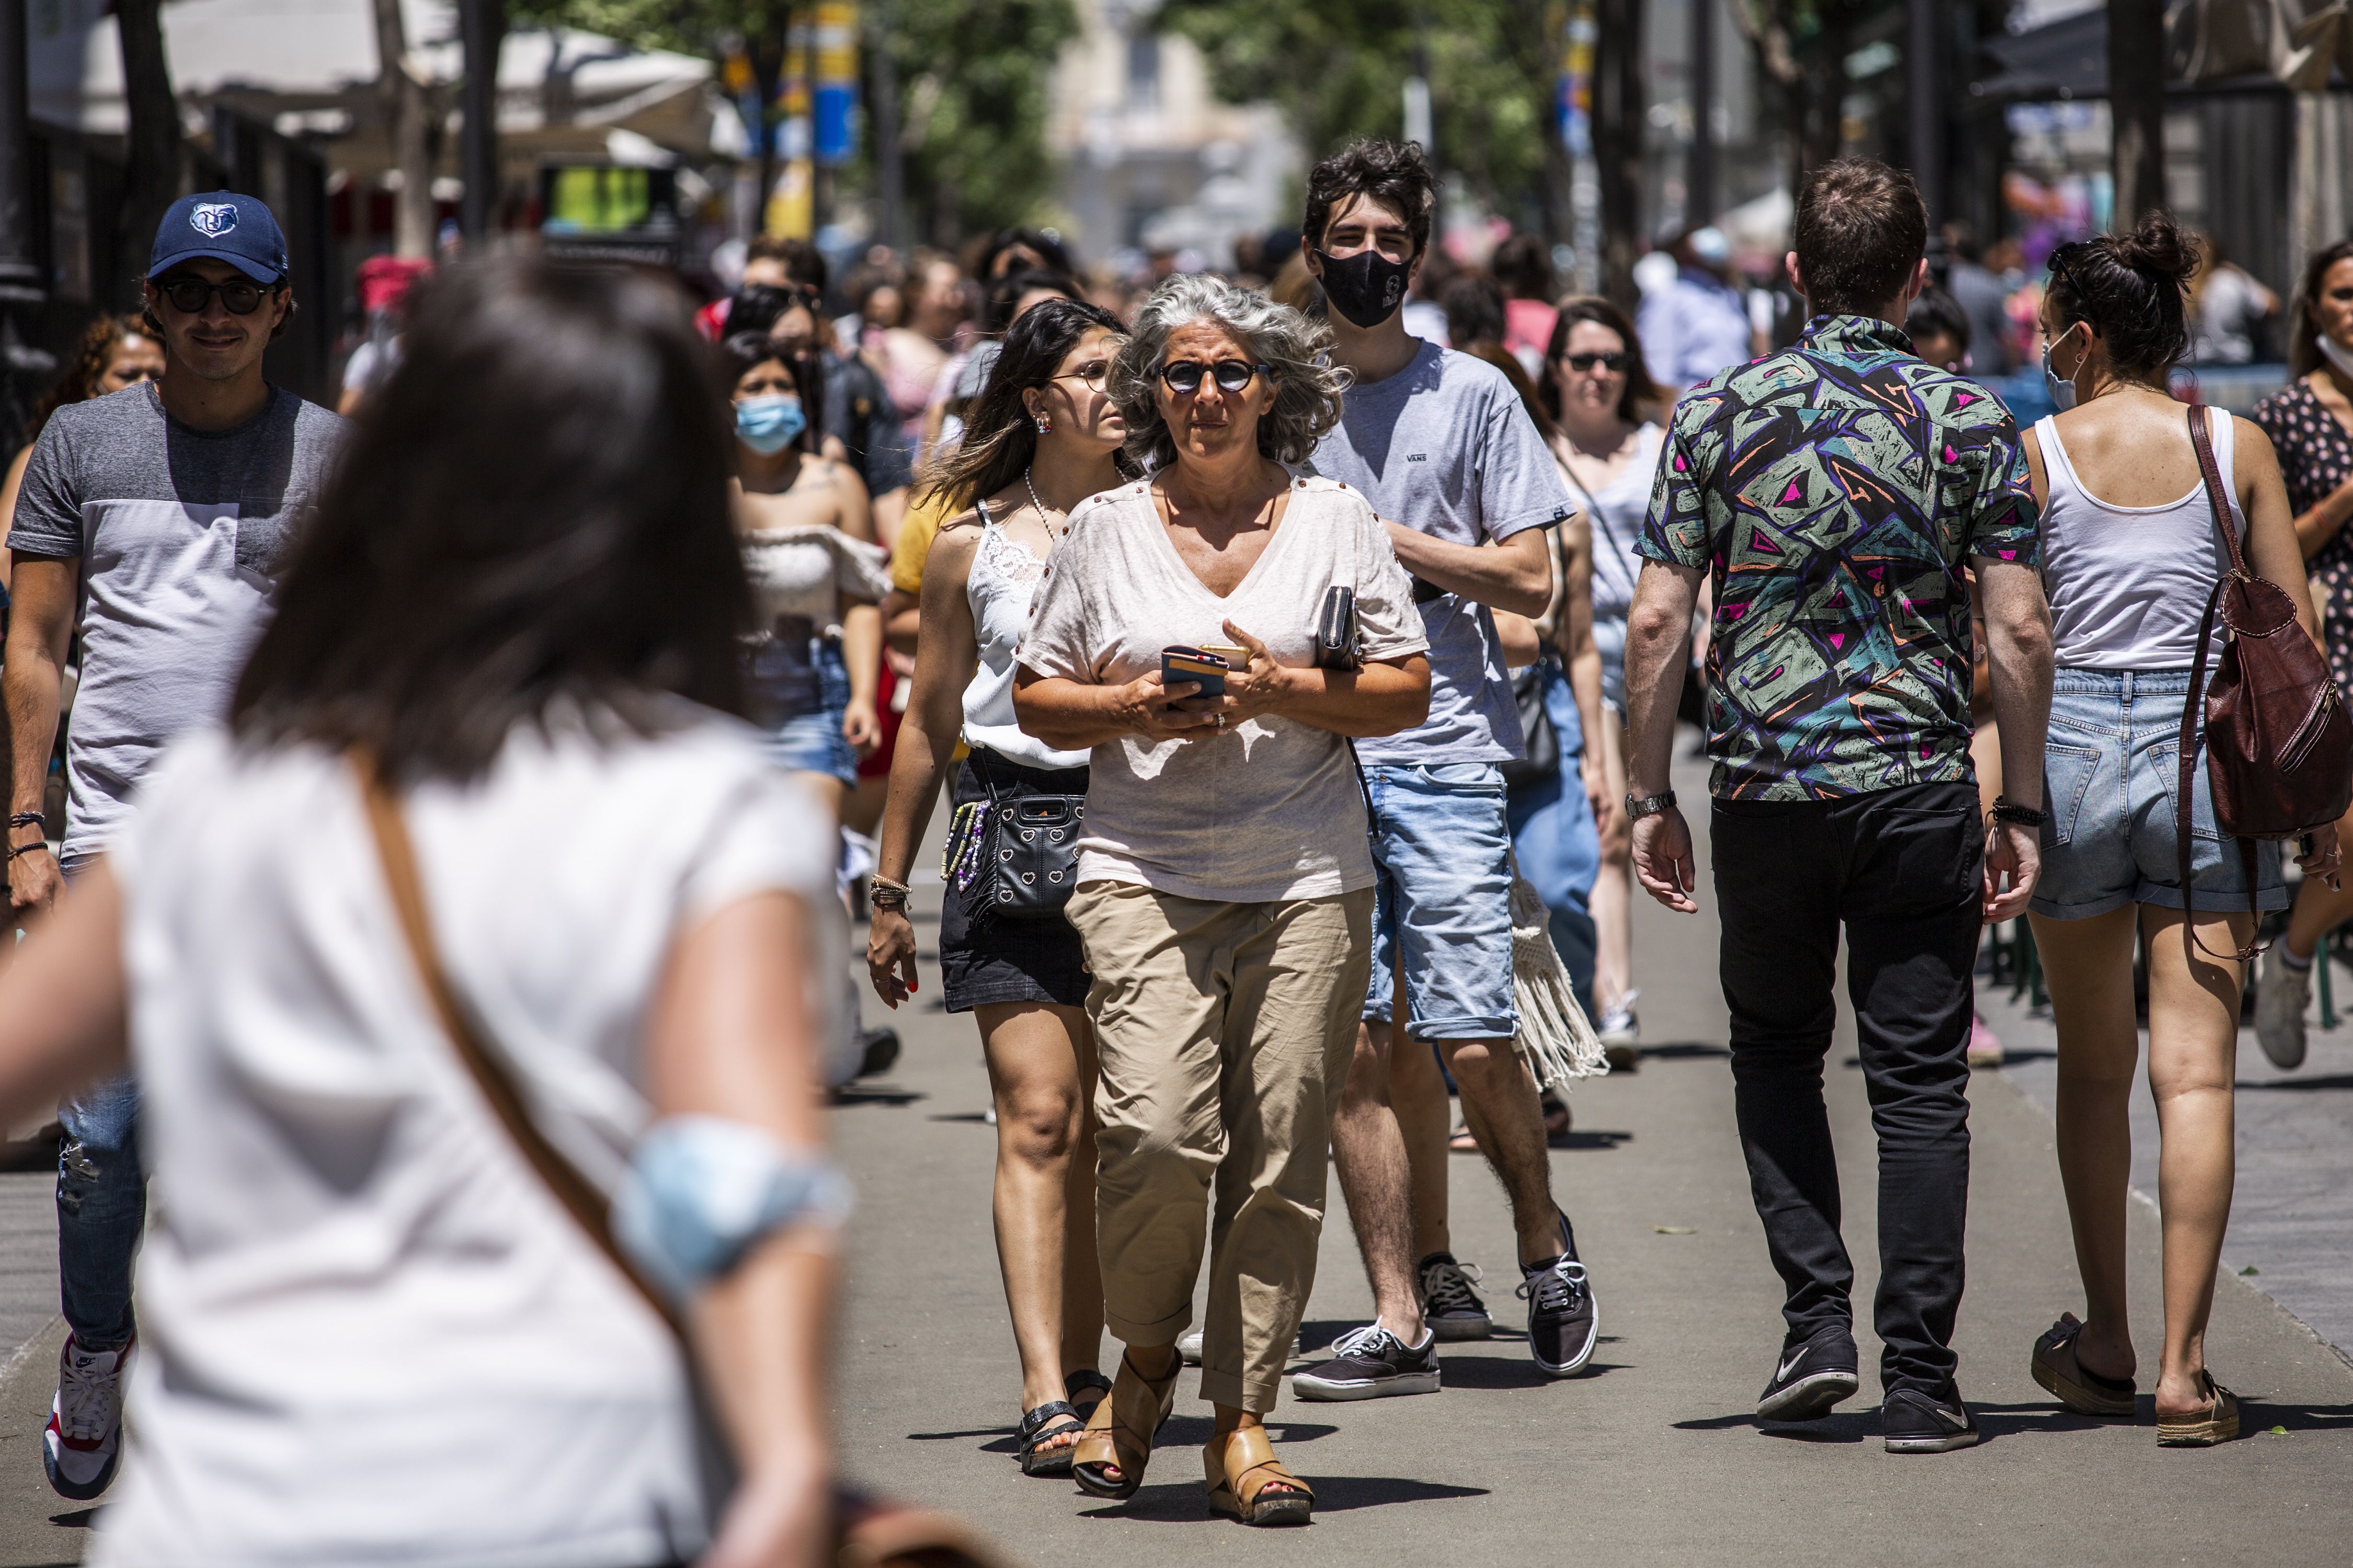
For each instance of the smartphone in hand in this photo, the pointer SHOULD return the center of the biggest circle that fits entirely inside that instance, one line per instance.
(1184, 664)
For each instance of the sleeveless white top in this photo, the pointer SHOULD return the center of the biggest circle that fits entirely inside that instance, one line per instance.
(2128, 583)
(806, 569)
(1003, 578)
(1616, 512)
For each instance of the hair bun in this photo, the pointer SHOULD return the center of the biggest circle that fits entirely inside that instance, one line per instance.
(2159, 247)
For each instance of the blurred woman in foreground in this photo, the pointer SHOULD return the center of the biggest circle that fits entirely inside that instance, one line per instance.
(517, 615)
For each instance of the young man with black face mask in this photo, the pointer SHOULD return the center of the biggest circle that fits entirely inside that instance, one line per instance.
(1440, 442)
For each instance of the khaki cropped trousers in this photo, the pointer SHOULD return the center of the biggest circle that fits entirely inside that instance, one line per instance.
(1224, 1033)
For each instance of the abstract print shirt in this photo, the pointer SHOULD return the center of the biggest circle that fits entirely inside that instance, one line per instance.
(1834, 491)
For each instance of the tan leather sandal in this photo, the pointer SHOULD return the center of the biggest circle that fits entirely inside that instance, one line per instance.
(2218, 1423)
(1119, 1434)
(1241, 1466)
(2078, 1387)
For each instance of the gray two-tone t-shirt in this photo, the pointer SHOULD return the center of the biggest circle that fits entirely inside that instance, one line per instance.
(180, 533)
(1445, 447)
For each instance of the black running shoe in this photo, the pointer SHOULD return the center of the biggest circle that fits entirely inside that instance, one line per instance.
(1564, 1320)
(1449, 1305)
(1371, 1362)
(1810, 1378)
(1917, 1422)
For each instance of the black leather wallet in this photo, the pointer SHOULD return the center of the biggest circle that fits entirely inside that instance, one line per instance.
(1335, 632)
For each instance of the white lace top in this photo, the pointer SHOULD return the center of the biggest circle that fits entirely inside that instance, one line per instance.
(1005, 576)
(807, 571)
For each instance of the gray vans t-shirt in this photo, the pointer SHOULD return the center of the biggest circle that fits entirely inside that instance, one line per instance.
(1444, 447)
(180, 533)
(1269, 809)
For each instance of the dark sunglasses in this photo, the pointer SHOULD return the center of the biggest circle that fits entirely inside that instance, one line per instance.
(189, 296)
(1184, 375)
(1581, 362)
(1093, 375)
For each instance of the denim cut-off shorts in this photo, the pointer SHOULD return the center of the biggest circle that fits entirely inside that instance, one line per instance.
(1442, 909)
(2110, 770)
(802, 738)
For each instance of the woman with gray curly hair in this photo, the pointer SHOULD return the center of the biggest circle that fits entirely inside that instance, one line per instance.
(1225, 889)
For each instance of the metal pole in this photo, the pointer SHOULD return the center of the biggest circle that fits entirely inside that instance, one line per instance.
(482, 26)
(889, 171)
(1922, 46)
(1699, 170)
(21, 290)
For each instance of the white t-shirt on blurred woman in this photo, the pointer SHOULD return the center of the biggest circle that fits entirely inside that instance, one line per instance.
(369, 1334)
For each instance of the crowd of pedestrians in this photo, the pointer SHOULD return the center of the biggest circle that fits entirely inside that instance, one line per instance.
(1260, 644)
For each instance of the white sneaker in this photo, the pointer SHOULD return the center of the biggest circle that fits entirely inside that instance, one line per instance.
(2281, 994)
(1620, 1031)
(83, 1441)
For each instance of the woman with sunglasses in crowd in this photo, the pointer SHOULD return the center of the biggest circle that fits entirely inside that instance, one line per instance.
(1601, 398)
(1042, 437)
(1225, 888)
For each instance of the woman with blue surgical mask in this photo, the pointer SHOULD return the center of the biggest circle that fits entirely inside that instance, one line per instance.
(808, 547)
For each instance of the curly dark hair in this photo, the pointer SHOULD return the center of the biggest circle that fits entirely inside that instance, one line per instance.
(1394, 173)
(78, 383)
(2133, 291)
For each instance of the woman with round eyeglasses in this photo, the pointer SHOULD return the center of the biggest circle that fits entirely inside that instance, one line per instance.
(1225, 884)
(2310, 423)
(1600, 395)
(117, 352)
(1042, 436)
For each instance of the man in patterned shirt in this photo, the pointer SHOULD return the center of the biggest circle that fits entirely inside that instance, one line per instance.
(1835, 492)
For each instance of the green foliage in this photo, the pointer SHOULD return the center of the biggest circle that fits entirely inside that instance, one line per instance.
(1338, 68)
(974, 78)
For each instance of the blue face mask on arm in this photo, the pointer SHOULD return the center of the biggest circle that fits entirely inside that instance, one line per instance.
(769, 424)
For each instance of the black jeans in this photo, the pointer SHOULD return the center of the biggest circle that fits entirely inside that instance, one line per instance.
(1899, 869)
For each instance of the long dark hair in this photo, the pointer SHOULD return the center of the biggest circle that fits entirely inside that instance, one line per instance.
(2134, 289)
(533, 512)
(78, 383)
(743, 352)
(2303, 323)
(1641, 392)
(999, 443)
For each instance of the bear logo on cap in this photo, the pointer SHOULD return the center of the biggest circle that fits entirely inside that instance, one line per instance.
(215, 218)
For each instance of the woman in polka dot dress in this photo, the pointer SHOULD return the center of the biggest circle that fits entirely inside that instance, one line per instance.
(2310, 422)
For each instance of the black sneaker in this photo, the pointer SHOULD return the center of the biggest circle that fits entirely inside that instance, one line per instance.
(1917, 1422)
(1449, 1305)
(1564, 1320)
(1371, 1362)
(1810, 1378)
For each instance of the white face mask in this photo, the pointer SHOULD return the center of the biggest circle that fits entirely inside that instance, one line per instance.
(2063, 393)
(2342, 358)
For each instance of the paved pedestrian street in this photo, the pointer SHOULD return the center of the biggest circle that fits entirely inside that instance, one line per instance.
(1653, 1455)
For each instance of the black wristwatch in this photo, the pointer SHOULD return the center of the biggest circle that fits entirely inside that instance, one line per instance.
(1639, 807)
(2008, 810)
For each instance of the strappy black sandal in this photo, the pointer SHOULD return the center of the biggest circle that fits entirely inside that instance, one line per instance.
(1085, 1389)
(1037, 1429)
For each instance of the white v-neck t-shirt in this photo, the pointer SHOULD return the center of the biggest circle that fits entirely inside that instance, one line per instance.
(1271, 809)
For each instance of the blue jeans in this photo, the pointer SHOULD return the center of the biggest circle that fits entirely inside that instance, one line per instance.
(1442, 909)
(101, 1205)
(2111, 768)
(1557, 844)
(801, 739)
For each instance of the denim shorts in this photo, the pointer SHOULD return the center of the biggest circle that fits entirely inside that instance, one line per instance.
(2111, 766)
(1442, 904)
(801, 739)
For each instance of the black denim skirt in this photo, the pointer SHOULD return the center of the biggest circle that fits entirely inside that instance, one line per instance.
(1001, 960)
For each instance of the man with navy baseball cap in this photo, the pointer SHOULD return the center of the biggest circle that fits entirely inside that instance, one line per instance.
(152, 520)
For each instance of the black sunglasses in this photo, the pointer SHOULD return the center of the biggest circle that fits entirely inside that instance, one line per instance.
(1184, 375)
(1617, 360)
(239, 296)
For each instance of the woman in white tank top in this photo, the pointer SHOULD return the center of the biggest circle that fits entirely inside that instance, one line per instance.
(2131, 554)
(1042, 437)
